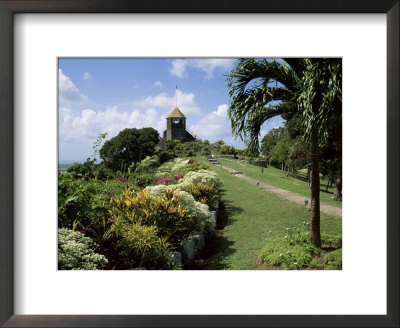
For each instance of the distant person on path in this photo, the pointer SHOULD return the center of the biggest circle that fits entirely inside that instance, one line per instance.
(262, 169)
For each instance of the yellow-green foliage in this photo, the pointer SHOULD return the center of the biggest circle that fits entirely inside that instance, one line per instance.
(203, 193)
(198, 210)
(141, 246)
(172, 221)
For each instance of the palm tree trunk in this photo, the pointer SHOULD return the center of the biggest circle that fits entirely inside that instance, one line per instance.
(309, 176)
(315, 209)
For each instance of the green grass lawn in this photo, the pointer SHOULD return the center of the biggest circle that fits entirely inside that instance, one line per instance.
(296, 182)
(252, 217)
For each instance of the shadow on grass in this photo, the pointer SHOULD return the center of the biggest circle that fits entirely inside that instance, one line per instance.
(218, 247)
(298, 176)
(227, 210)
(302, 177)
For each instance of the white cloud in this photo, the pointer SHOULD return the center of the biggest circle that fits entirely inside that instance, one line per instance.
(186, 102)
(179, 67)
(157, 84)
(215, 125)
(87, 76)
(67, 90)
(208, 66)
(88, 124)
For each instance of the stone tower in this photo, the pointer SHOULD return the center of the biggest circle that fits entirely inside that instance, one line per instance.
(176, 127)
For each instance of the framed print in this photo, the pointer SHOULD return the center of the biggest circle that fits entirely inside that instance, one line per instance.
(37, 36)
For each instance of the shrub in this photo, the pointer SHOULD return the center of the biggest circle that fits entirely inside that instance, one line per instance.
(142, 180)
(296, 251)
(173, 222)
(165, 156)
(75, 252)
(291, 257)
(203, 176)
(148, 165)
(198, 210)
(103, 173)
(203, 193)
(332, 241)
(333, 260)
(84, 206)
(141, 246)
(178, 176)
(162, 180)
(78, 170)
(179, 163)
(75, 199)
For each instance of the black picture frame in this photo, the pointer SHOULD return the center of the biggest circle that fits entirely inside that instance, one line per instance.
(10, 7)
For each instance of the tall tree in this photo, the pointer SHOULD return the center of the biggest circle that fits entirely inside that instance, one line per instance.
(320, 101)
(262, 89)
(269, 141)
(129, 146)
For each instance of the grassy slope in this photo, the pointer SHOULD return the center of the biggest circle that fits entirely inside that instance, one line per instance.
(253, 213)
(294, 182)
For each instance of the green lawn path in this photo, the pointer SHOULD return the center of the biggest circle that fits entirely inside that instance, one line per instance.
(296, 182)
(255, 217)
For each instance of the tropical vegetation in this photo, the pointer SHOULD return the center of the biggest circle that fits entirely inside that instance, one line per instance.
(261, 89)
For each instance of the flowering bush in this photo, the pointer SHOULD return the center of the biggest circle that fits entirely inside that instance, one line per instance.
(179, 163)
(179, 166)
(162, 180)
(75, 252)
(122, 179)
(178, 176)
(206, 177)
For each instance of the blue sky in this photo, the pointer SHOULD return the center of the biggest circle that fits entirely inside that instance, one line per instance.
(109, 95)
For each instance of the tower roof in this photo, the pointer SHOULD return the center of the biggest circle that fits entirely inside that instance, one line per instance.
(176, 113)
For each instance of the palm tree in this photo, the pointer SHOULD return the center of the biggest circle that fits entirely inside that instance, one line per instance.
(262, 89)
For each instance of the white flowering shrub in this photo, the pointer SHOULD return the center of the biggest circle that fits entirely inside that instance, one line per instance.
(197, 209)
(179, 163)
(75, 252)
(166, 168)
(206, 177)
(158, 190)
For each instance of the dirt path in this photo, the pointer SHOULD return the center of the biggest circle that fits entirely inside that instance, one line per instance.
(290, 195)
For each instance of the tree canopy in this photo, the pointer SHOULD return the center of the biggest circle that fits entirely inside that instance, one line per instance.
(270, 140)
(129, 146)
